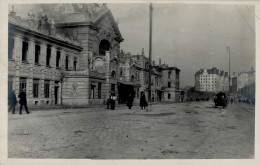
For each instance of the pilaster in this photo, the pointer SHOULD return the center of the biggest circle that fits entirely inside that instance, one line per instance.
(107, 74)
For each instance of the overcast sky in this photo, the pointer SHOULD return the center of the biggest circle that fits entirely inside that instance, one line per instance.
(189, 36)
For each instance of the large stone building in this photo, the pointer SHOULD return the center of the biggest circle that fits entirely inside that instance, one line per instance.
(242, 79)
(72, 57)
(211, 80)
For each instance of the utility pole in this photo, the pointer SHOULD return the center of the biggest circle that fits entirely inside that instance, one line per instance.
(228, 49)
(150, 53)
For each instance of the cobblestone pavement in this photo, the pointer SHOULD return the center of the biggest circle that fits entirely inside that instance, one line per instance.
(192, 130)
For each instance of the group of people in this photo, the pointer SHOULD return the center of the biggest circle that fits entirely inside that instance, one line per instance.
(110, 101)
(12, 101)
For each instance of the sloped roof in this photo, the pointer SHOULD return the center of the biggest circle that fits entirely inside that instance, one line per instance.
(86, 14)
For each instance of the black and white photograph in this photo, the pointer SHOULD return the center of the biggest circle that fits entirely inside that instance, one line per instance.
(145, 80)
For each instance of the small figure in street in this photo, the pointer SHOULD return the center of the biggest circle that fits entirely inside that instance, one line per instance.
(143, 102)
(130, 100)
(23, 101)
(231, 100)
(108, 101)
(12, 101)
(112, 101)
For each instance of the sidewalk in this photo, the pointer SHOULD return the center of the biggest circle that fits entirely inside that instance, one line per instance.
(56, 107)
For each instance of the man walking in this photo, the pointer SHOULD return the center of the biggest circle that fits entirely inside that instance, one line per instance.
(23, 101)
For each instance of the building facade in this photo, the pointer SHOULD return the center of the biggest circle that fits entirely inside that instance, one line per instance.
(242, 79)
(211, 80)
(72, 57)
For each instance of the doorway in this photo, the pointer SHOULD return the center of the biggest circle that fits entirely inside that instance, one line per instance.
(56, 94)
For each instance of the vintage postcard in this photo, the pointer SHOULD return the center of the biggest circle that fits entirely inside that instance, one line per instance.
(129, 82)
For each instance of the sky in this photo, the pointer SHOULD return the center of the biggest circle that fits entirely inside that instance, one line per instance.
(189, 36)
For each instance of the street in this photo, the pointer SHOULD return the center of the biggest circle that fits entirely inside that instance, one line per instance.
(190, 130)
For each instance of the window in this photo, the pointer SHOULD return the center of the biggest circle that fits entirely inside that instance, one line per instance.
(75, 63)
(169, 74)
(58, 58)
(22, 84)
(169, 84)
(67, 63)
(99, 90)
(169, 96)
(113, 74)
(10, 47)
(36, 88)
(46, 89)
(48, 56)
(24, 51)
(132, 78)
(37, 54)
(103, 47)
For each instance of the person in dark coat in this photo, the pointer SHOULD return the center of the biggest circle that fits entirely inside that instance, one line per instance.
(12, 101)
(143, 102)
(130, 100)
(23, 102)
(108, 101)
(112, 101)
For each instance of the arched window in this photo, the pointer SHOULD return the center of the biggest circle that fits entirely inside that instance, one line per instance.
(103, 47)
(113, 74)
(132, 78)
(169, 74)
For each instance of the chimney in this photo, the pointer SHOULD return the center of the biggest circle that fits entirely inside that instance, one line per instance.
(160, 62)
(142, 51)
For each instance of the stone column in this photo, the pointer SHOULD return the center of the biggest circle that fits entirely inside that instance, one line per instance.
(42, 62)
(31, 57)
(52, 97)
(53, 61)
(71, 61)
(107, 74)
(17, 57)
(53, 57)
(41, 89)
(62, 59)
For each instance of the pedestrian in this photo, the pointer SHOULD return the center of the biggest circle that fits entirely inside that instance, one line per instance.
(231, 100)
(12, 101)
(23, 101)
(108, 101)
(112, 101)
(130, 100)
(143, 102)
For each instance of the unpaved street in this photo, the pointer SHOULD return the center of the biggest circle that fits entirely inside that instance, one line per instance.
(170, 131)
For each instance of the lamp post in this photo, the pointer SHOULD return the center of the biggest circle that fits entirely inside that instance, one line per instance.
(228, 49)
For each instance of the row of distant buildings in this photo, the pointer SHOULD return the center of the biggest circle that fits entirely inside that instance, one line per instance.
(72, 57)
(215, 80)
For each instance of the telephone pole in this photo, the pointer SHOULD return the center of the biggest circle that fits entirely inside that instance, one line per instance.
(150, 53)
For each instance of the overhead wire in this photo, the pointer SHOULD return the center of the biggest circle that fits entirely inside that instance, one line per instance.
(244, 20)
(250, 28)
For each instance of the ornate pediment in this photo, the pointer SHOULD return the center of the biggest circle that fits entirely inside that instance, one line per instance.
(40, 24)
